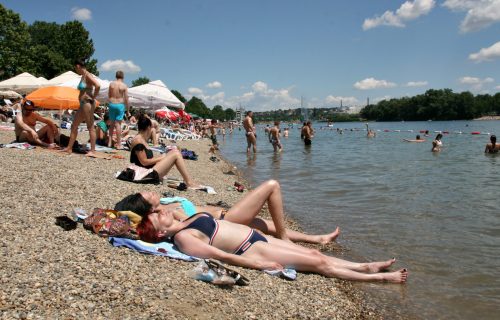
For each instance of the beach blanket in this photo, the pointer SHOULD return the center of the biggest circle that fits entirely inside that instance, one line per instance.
(168, 249)
(102, 148)
(18, 145)
(165, 249)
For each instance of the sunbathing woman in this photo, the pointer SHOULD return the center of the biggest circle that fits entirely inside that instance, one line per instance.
(205, 237)
(89, 89)
(244, 212)
(142, 156)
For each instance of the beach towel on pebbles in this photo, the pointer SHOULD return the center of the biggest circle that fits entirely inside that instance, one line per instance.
(165, 249)
(19, 145)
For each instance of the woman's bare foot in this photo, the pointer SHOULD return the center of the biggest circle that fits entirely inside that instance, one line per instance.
(399, 276)
(68, 151)
(90, 154)
(327, 238)
(374, 267)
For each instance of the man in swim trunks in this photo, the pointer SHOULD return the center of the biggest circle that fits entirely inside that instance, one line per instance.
(274, 137)
(118, 102)
(25, 123)
(307, 132)
(213, 134)
(250, 132)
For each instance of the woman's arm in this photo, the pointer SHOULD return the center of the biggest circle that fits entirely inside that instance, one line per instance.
(143, 159)
(95, 83)
(193, 246)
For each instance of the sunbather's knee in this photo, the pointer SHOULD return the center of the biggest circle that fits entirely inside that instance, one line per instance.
(273, 184)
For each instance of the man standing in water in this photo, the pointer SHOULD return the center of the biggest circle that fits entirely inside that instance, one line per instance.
(274, 136)
(118, 101)
(250, 132)
(307, 133)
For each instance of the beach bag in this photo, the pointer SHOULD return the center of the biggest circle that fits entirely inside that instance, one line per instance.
(134, 173)
(108, 223)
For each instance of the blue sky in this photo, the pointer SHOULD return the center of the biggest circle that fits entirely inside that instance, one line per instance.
(266, 55)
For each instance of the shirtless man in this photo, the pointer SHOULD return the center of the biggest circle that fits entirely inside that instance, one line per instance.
(25, 127)
(274, 137)
(118, 103)
(250, 132)
(307, 132)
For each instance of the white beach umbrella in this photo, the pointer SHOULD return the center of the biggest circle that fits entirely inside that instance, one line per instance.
(153, 95)
(9, 94)
(62, 78)
(22, 83)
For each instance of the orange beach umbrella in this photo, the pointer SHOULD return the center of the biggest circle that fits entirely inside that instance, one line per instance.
(56, 98)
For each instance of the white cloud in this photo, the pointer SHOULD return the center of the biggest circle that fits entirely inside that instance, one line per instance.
(480, 13)
(81, 14)
(497, 87)
(259, 86)
(486, 54)
(371, 83)
(334, 101)
(115, 65)
(214, 85)
(195, 91)
(410, 10)
(417, 84)
(474, 83)
(378, 99)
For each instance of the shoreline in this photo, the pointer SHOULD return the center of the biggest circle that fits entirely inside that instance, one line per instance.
(51, 273)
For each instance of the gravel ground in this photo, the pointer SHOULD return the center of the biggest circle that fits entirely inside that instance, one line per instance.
(48, 273)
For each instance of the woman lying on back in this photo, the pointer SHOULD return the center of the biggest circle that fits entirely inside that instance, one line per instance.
(142, 156)
(203, 236)
(244, 212)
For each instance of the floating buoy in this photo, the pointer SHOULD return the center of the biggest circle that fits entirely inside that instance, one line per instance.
(387, 130)
(422, 131)
(475, 132)
(446, 132)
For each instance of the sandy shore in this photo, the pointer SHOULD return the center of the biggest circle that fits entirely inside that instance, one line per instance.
(48, 273)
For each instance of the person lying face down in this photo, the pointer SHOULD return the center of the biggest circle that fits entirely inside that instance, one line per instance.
(243, 212)
(203, 236)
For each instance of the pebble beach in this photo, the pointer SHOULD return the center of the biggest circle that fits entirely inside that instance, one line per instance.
(49, 273)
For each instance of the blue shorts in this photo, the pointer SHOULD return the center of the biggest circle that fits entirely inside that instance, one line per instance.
(116, 111)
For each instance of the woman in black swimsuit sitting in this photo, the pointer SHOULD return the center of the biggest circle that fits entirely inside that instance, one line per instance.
(142, 156)
(203, 236)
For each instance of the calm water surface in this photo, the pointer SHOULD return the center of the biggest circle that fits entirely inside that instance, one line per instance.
(438, 213)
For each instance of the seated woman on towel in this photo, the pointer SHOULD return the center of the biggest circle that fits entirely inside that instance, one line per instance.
(142, 156)
(203, 236)
(244, 211)
(25, 130)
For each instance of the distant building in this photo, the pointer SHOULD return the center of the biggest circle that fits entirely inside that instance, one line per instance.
(240, 114)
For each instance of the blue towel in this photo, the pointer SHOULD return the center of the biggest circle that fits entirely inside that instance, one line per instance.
(165, 249)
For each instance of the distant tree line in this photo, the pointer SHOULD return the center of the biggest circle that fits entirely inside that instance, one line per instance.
(313, 114)
(441, 104)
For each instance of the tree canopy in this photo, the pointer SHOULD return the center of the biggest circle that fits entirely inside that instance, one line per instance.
(44, 49)
(140, 81)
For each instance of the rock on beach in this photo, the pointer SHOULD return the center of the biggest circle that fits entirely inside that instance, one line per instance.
(49, 273)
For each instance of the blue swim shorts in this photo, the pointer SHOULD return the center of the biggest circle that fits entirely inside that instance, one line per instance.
(116, 111)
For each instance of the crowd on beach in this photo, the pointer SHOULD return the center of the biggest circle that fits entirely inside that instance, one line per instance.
(234, 235)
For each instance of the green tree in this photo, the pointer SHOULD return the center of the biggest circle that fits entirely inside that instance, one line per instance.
(218, 112)
(179, 96)
(55, 47)
(140, 81)
(229, 114)
(14, 44)
(196, 105)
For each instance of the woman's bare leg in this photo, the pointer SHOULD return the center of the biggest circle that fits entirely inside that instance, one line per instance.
(245, 210)
(79, 117)
(366, 267)
(89, 120)
(316, 263)
(174, 157)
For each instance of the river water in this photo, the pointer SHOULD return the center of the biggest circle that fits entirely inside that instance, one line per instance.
(437, 213)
